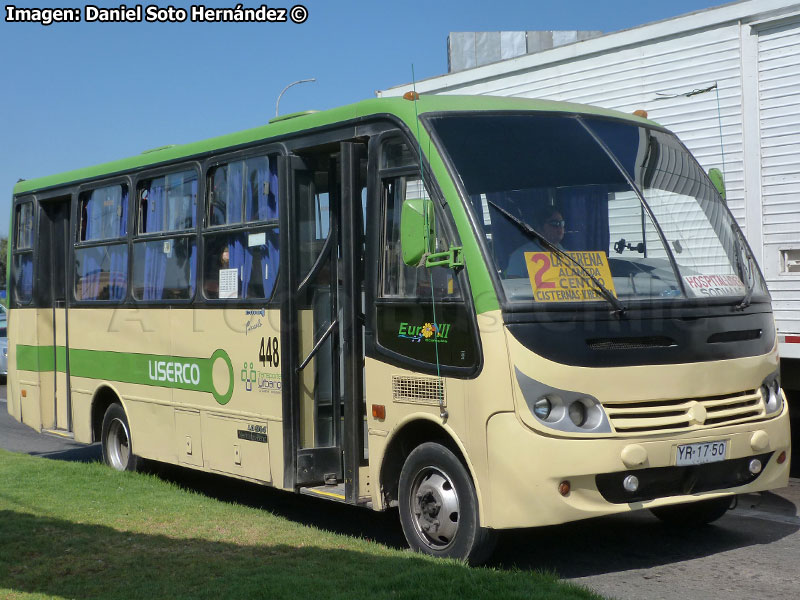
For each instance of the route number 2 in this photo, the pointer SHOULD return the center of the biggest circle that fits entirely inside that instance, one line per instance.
(538, 281)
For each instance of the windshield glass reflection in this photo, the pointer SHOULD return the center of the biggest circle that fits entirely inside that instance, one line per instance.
(554, 174)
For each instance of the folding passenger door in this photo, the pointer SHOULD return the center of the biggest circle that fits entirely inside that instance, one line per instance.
(321, 333)
(54, 268)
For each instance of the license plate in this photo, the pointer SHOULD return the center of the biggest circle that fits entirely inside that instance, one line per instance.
(700, 454)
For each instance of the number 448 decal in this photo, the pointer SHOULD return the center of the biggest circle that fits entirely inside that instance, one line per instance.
(268, 353)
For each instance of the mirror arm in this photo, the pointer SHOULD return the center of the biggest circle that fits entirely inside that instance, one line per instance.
(452, 258)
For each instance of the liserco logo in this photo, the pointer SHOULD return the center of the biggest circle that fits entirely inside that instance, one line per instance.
(176, 372)
(429, 332)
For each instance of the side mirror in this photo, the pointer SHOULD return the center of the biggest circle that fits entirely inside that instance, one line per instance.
(417, 227)
(715, 175)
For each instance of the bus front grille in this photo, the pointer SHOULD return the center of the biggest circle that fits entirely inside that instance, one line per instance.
(685, 413)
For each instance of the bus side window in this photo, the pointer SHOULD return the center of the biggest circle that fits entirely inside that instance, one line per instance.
(23, 253)
(241, 261)
(101, 269)
(165, 268)
(400, 280)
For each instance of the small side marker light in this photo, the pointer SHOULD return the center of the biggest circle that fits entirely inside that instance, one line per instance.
(640, 113)
(782, 457)
(24, 393)
(564, 488)
(411, 96)
(378, 411)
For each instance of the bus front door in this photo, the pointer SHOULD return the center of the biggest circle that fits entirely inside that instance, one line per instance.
(54, 263)
(321, 334)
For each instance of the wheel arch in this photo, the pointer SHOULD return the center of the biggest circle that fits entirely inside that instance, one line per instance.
(410, 433)
(104, 396)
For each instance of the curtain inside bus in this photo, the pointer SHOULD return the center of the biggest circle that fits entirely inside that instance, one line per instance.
(261, 204)
(167, 211)
(104, 269)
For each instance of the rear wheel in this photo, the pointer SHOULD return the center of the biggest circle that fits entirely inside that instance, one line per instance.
(116, 440)
(439, 507)
(693, 514)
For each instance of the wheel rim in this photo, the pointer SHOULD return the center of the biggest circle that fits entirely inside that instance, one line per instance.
(118, 445)
(435, 508)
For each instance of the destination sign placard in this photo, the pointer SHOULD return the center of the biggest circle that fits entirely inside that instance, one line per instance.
(557, 279)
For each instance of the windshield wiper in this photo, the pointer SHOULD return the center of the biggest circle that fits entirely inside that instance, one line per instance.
(746, 273)
(619, 308)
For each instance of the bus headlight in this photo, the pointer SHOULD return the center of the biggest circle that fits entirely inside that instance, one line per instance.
(564, 410)
(577, 412)
(771, 393)
(542, 408)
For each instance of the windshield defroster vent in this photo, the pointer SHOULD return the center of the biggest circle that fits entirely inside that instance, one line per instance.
(630, 343)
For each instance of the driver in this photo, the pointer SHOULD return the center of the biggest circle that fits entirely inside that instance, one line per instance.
(551, 224)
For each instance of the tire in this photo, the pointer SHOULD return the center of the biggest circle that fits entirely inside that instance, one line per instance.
(694, 514)
(116, 440)
(439, 507)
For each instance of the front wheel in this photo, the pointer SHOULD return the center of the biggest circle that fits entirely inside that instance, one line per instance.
(693, 514)
(116, 440)
(439, 507)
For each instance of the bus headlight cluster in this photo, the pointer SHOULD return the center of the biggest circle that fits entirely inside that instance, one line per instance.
(580, 413)
(564, 410)
(771, 393)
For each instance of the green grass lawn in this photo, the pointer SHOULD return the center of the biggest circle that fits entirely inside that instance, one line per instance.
(76, 530)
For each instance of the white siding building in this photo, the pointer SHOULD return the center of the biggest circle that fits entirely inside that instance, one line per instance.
(726, 80)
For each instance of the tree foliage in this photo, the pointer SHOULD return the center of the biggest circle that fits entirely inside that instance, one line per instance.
(3, 262)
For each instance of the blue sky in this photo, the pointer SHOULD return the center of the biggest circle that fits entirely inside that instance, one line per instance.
(77, 94)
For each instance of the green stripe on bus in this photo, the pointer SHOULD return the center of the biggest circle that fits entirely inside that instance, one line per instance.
(35, 358)
(176, 372)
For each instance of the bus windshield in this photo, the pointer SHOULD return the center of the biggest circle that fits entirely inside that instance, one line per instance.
(628, 202)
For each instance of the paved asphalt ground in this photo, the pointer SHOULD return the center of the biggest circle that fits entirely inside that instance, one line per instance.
(751, 553)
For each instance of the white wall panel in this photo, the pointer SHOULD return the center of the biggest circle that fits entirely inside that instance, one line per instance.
(779, 126)
(654, 76)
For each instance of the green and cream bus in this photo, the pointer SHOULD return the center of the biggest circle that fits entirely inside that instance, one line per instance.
(365, 305)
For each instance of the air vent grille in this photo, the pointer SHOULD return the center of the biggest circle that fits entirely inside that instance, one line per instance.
(734, 336)
(418, 390)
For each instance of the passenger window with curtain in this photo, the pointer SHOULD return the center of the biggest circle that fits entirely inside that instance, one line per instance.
(101, 252)
(165, 253)
(241, 260)
(22, 283)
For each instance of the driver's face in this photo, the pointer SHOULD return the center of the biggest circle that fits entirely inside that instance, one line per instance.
(553, 228)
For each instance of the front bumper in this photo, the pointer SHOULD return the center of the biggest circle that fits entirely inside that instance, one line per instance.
(526, 468)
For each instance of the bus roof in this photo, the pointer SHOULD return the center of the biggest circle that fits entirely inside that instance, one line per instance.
(400, 107)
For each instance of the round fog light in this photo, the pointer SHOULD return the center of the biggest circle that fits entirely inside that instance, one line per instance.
(631, 483)
(755, 466)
